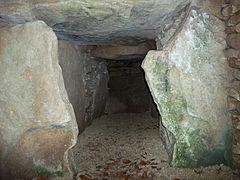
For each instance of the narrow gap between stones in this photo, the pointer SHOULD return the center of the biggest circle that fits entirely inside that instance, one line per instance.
(120, 135)
(119, 142)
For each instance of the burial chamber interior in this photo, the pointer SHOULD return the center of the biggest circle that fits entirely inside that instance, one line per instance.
(119, 107)
(118, 121)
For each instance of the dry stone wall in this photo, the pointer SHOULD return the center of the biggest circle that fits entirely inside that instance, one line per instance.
(231, 15)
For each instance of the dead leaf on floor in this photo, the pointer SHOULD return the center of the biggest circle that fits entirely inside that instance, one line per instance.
(126, 161)
(104, 173)
(120, 173)
(145, 174)
(176, 178)
(123, 176)
(136, 167)
(84, 177)
(143, 163)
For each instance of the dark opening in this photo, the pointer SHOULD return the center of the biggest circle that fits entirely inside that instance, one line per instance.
(128, 91)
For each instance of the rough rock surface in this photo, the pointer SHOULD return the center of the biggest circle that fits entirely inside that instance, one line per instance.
(123, 52)
(96, 87)
(71, 61)
(85, 80)
(232, 52)
(34, 107)
(98, 21)
(189, 81)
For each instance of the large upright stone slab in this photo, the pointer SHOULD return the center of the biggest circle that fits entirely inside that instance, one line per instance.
(86, 81)
(37, 122)
(189, 81)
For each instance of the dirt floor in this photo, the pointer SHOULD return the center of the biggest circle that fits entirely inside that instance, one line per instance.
(128, 147)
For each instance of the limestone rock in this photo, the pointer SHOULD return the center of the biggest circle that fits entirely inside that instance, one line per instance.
(238, 126)
(122, 52)
(233, 40)
(233, 104)
(237, 28)
(189, 81)
(71, 59)
(96, 88)
(230, 10)
(230, 30)
(86, 94)
(236, 84)
(231, 52)
(212, 7)
(233, 20)
(236, 149)
(235, 94)
(94, 21)
(34, 107)
(234, 62)
(237, 74)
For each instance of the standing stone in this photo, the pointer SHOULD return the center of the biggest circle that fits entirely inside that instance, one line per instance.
(96, 87)
(189, 81)
(38, 125)
(86, 81)
(71, 59)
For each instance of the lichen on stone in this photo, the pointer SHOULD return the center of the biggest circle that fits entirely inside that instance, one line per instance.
(41, 171)
(188, 81)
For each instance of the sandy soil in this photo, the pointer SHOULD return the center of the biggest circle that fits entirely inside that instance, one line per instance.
(128, 147)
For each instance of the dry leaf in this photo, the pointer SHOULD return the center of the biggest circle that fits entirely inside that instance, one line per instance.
(143, 163)
(83, 177)
(136, 167)
(145, 174)
(176, 178)
(126, 161)
(120, 173)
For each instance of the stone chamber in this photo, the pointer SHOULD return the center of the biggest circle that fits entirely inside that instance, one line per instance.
(119, 89)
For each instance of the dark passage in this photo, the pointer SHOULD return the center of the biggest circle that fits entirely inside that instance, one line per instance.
(128, 91)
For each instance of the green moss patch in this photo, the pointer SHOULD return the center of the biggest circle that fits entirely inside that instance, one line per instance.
(44, 172)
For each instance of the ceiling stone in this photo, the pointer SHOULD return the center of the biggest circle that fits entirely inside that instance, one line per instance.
(94, 21)
(123, 52)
